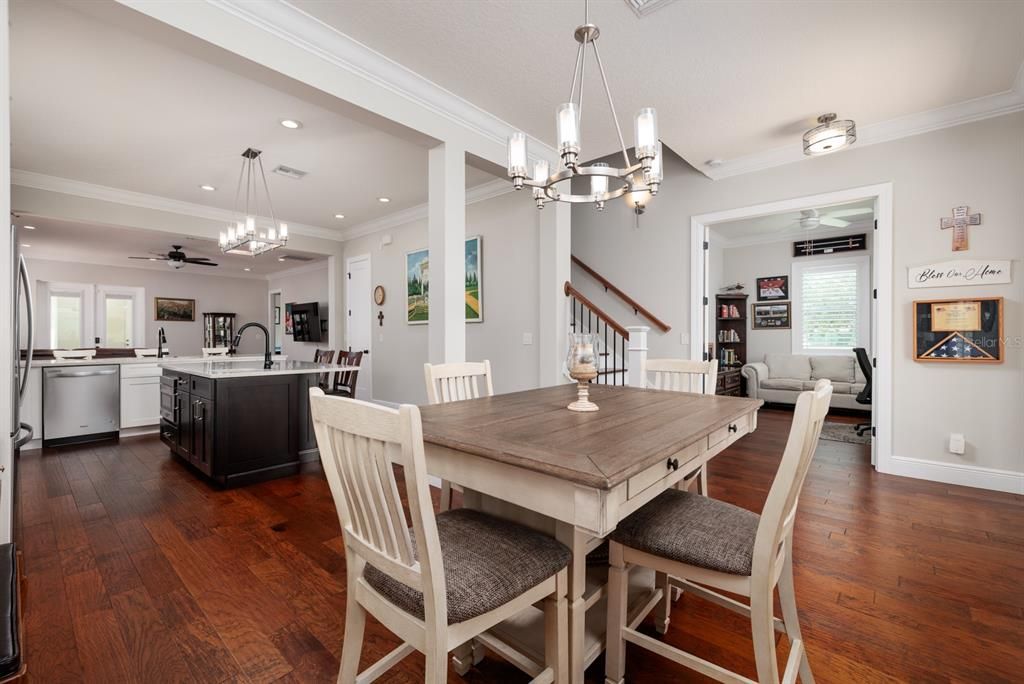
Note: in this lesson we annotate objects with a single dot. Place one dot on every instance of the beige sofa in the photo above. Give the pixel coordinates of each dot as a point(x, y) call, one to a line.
point(781, 378)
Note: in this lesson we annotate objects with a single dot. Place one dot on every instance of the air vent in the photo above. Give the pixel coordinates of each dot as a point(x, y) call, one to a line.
point(644, 7)
point(294, 257)
point(831, 245)
point(289, 172)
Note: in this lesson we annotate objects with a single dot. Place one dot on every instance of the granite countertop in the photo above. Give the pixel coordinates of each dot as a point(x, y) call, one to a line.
point(251, 368)
point(132, 360)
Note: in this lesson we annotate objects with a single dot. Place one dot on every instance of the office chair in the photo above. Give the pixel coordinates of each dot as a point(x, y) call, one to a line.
point(864, 396)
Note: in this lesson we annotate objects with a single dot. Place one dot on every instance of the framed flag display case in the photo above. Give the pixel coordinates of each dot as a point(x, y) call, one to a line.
point(968, 330)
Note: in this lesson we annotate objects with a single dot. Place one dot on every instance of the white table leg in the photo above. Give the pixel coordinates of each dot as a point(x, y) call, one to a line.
point(577, 543)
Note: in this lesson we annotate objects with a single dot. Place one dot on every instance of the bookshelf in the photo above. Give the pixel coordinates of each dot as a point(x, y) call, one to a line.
point(730, 341)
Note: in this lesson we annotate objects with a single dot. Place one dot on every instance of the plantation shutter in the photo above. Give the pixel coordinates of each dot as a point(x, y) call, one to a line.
point(829, 302)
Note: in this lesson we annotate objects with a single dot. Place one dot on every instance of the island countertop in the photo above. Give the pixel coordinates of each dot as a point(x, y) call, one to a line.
point(250, 368)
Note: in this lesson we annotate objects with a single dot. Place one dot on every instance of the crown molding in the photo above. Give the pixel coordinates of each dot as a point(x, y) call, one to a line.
point(104, 193)
point(968, 111)
point(478, 193)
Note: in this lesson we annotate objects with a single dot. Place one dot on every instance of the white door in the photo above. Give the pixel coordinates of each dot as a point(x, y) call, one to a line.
point(359, 328)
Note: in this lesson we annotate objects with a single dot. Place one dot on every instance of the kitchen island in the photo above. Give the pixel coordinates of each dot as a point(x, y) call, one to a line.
point(238, 422)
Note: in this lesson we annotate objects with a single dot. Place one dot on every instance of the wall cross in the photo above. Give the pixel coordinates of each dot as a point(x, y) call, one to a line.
point(959, 222)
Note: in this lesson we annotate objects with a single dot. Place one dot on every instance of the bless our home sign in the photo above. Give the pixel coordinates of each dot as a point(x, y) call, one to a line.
point(960, 272)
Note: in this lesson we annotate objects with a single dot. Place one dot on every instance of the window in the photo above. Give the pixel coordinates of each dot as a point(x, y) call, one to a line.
point(119, 316)
point(66, 320)
point(831, 306)
point(82, 314)
point(119, 321)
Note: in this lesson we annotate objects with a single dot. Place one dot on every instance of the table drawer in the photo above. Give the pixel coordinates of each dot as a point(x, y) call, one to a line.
point(660, 471)
point(724, 436)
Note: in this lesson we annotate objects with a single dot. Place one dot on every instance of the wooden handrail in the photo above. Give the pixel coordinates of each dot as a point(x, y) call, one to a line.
point(571, 291)
point(637, 308)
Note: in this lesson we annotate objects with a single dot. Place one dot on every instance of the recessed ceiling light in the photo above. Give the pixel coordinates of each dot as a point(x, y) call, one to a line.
point(383, 200)
point(207, 188)
point(339, 216)
point(24, 244)
point(152, 259)
point(280, 258)
point(291, 123)
point(29, 227)
point(246, 269)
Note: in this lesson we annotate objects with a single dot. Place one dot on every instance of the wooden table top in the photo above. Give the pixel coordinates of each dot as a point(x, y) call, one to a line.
point(634, 429)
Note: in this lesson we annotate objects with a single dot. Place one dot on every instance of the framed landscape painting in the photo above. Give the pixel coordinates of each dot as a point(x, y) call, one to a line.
point(173, 309)
point(417, 287)
point(474, 280)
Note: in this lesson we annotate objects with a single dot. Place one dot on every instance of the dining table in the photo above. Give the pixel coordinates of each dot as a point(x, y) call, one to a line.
point(525, 457)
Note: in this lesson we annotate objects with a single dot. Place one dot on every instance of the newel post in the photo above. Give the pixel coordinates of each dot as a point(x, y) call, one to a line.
point(637, 355)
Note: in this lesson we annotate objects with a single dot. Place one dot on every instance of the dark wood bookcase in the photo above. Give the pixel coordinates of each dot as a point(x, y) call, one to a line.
point(730, 336)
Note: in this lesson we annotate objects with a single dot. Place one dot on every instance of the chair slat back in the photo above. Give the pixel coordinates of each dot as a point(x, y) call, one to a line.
point(681, 375)
point(324, 356)
point(779, 511)
point(457, 381)
point(347, 379)
point(215, 351)
point(358, 442)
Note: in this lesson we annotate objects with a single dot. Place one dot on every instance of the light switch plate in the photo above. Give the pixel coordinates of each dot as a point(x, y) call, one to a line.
point(527, 338)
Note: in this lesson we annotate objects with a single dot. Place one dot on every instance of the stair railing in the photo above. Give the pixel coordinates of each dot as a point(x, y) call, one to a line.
point(638, 309)
point(587, 317)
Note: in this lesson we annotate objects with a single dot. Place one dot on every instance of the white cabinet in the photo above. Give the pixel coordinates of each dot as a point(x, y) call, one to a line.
point(140, 395)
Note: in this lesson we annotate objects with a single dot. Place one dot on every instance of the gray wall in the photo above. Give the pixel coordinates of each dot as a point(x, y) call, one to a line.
point(979, 164)
point(509, 226)
point(303, 285)
point(243, 296)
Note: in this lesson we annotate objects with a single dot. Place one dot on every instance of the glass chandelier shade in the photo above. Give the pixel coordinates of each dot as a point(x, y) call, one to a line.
point(829, 136)
point(249, 234)
point(640, 175)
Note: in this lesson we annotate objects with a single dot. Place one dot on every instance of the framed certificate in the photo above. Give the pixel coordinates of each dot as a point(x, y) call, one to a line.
point(968, 330)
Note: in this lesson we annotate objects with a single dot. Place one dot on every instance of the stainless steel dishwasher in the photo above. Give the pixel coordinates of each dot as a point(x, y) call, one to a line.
point(80, 404)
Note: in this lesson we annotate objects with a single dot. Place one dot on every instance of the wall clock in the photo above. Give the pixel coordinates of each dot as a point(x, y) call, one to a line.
point(378, 295)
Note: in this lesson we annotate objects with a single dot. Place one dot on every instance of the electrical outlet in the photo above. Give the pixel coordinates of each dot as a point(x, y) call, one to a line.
point(957, 443)
point(527, 338)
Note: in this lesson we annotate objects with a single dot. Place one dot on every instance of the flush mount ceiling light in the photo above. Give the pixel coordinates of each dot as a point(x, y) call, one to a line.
point(291, 123)
point(244, 236)
point(339, 216)
point(383, 200)
point(207, 188)
point(643, 176)
point(830, 136)
point(29, 227)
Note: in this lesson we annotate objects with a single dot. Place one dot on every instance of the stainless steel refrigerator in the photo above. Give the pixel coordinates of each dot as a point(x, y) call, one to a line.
point(21, 292)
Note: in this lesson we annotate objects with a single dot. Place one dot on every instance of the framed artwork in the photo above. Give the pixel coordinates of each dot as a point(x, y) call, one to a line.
point(289, 327)
point(773, 288)
point(173, 309)
point(775, 316)
point(474, 280)
point(277, 315)
point(968, 330)
point(417, 287)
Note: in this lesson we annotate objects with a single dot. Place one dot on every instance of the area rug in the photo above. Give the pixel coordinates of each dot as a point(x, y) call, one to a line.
point(843, 432)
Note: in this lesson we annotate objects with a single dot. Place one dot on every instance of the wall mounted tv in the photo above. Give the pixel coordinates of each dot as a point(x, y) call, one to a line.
point(306, 322)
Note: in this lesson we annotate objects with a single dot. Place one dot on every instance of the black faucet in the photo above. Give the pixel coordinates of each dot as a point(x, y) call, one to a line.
point(161, 340)
point(267, 363)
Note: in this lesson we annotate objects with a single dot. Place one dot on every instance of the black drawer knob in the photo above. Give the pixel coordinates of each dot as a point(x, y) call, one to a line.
point(673, 464)
point(732, 428)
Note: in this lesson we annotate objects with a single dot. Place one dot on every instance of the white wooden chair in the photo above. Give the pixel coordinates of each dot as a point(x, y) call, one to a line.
point(455, 382)
point(682, 375)
point(73, 354)
point(699, 541)
point(146, 353)
point(215, 351)
point(451, 577)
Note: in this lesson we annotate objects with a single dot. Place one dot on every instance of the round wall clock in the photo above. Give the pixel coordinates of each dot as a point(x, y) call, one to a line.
point(378, 294)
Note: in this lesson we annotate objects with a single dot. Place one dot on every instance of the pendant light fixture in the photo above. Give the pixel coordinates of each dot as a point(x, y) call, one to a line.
point(829, 136)
point(638, 178)
point(249, 234)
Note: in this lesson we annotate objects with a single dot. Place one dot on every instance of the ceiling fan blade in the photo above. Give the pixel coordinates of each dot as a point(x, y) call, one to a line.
point(843, 213)
point(152, 258)
point(198, 259)
point(197, 262)
point(835, 222)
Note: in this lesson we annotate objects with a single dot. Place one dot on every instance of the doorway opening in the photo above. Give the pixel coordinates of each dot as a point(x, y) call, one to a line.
point(276, 319)
point(359, 326)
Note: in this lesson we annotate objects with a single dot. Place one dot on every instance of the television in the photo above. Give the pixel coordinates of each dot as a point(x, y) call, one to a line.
point(306, 322)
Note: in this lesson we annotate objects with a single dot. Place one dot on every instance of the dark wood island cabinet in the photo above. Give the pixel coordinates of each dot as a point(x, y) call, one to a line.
point(236, 422)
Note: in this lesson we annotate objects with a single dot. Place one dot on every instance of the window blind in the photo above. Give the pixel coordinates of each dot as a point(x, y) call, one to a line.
point(828, 306)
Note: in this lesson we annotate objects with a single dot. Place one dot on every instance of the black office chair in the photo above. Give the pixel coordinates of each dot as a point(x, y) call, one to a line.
point(864, 396)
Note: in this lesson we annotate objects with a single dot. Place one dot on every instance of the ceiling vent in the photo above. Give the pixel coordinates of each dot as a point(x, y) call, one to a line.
point(644, 7)
point(289, 172)
point(294, 257)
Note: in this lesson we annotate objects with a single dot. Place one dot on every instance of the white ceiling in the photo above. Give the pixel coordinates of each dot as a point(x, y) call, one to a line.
point(729, 79)
point(786, 225)
point(109, 97)
point(111, 246)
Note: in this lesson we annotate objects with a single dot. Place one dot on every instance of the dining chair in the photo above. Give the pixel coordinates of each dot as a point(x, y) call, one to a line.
point(209, 352)
point(449, 578)
point(146, 353)
point(73, 354)
point(448, 382)
point(344, 383)
point(700, 542)
point(326, 357)
point(683, 375)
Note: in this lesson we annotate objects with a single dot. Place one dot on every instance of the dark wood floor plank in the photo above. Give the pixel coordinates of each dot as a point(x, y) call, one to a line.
point(154, 655)
point(102, 650)
point(205, 653)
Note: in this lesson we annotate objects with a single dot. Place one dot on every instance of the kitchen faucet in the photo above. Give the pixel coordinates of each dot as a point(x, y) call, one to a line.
point(161, 340)
point(267, 363)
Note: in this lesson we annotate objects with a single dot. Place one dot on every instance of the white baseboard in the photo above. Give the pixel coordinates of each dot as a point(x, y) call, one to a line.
point(958, 474)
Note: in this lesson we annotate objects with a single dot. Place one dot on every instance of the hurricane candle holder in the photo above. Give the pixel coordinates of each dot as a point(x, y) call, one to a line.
point(582, 366)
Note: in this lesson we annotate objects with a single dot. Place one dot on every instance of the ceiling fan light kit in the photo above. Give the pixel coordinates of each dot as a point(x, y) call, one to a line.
point(640, 179)
point(244, 236)
point(830, 135)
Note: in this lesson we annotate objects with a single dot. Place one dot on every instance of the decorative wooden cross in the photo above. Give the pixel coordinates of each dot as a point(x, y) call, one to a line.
point(959, 222)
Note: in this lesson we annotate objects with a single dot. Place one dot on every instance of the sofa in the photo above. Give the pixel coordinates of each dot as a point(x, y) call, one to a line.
point(781, 377)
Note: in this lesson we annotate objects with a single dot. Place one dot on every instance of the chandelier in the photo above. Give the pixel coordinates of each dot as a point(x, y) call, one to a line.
point(248, 235)
point(637, 181)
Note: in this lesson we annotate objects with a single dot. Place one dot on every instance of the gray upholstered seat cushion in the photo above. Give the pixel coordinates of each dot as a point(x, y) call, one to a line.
point(487, 563)
point(693, 529)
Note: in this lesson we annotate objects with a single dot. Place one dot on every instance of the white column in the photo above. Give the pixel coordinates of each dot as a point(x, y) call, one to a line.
point(555, 261)
point(446, 228)
point(637, 355)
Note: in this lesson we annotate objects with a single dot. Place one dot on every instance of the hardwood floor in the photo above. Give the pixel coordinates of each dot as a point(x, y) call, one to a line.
point(139, 571)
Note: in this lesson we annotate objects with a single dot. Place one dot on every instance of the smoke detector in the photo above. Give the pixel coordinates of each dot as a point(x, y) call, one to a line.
point(289, 172)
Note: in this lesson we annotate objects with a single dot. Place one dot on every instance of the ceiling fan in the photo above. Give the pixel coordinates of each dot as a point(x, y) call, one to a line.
point(176, 258)
point(812, 218)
